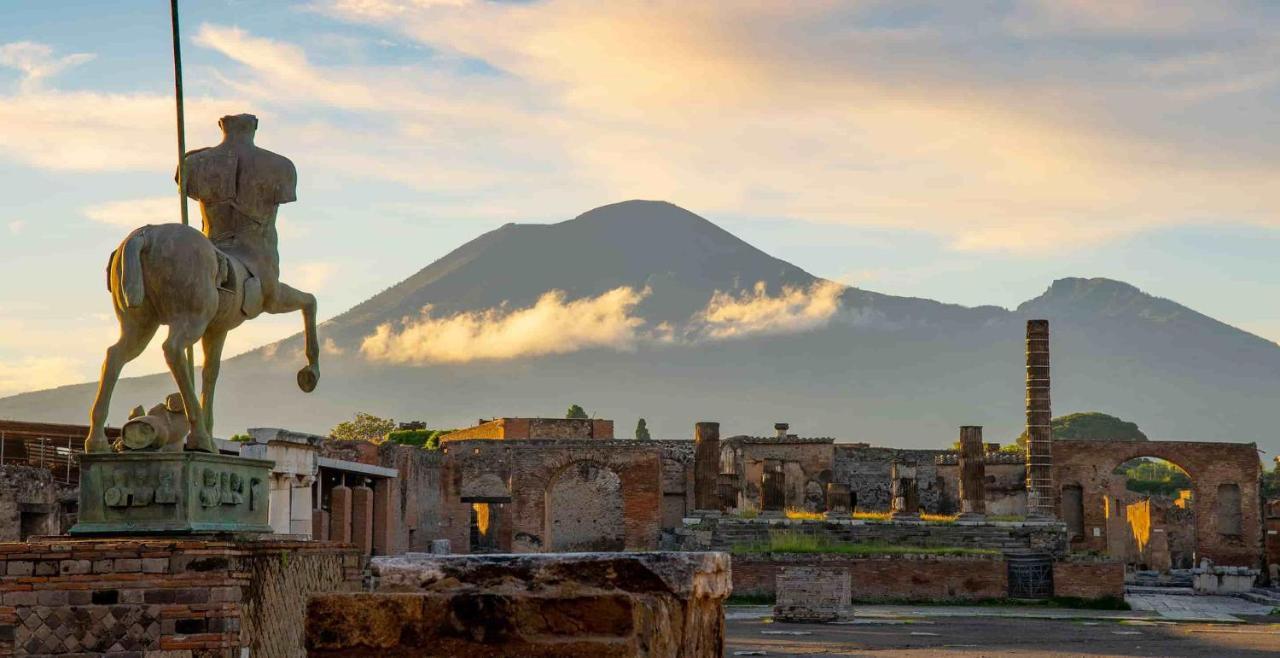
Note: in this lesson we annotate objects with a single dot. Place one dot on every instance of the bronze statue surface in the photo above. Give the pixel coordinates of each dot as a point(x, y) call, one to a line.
point(203, 285)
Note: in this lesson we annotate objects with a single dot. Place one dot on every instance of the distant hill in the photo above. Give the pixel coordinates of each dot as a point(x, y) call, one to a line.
point(879, 368)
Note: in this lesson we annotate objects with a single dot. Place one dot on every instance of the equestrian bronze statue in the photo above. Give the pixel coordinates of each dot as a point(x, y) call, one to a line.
point(203, 285)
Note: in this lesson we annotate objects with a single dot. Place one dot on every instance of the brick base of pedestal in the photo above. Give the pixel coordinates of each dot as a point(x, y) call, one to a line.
point(566, 606)
point(177, 598)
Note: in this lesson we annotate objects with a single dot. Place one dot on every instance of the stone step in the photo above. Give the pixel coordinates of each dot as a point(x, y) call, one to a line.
point(1262, 596)
point(1146, 589)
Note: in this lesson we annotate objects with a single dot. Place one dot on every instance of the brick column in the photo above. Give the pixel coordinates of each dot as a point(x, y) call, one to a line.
point(385, 517)
point(362, 518)
point(319, 525)
point(340, 514)
point(706, 465)
point(973, 473)
point(1040, 498)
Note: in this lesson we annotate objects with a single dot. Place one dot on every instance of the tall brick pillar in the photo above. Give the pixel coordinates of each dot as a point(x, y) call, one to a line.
point(1040, 499)
point(973, 473)
point(340, 514)
point(706, 465)
point(362, 518)
point(385, 517)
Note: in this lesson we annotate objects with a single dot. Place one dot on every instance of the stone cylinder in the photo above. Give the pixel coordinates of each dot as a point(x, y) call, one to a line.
point(706, 465)
point(973, 472)
point(1040, 499)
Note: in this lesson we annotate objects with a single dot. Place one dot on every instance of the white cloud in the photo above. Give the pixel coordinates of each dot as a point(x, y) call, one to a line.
point(756, 312)
point(36, 61)
point(551, 326)
point(38, 372)
point(311, 276)
point(17, 226)
point(132, 213)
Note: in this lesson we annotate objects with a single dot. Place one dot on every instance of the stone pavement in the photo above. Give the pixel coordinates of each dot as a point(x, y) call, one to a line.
point(1196, 608)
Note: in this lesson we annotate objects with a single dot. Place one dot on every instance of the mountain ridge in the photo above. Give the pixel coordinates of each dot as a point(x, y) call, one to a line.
point(884, 368)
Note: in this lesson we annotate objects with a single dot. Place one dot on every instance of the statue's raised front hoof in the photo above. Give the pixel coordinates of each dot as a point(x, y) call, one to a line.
point(97, 444)
point(308, 377)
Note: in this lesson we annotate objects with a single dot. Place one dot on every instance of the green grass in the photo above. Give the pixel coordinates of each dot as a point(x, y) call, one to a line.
point(797, 542)
point(1006, 518)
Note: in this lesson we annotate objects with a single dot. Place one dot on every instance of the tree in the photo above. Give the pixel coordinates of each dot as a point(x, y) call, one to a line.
point(642, 430)
point(364, 427)
point(1271, 482)
point(1092, 426)
point(241, 438)
point(576, 411)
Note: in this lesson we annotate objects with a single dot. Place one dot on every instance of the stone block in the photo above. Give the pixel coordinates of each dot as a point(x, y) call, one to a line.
point(128, 565)
point(19, 568)
point(155, 565)
point(812, 594)
point(75, 567)
point(622, 604)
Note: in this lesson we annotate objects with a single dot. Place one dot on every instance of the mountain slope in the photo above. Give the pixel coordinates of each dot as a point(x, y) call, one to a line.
point(885, 369)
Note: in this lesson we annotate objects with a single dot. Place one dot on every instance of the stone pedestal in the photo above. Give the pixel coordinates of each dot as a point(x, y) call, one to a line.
point(564, 605)
point(150, 493)
point(973, 474)
point(839, 503)
point(905, 504)
point(813, 594)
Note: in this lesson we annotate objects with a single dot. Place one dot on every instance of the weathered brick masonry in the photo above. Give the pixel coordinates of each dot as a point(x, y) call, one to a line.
point(884, 578)
point(123, 598)
point(1088, 578)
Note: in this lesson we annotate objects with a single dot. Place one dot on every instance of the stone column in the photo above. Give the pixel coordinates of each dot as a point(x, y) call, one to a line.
point(340, 514)
point(319, 525)
point(973, 473)
point(906, 497)
point(1040, 498)
point(838, 503)
point(386, 520)
point(362, 518)
point(706, 465)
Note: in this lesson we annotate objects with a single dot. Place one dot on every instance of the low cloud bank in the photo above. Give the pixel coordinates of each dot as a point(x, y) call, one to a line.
point(555, 325)
point(551, 326)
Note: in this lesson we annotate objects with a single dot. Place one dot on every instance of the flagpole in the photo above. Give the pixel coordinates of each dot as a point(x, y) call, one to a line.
point(182, 143)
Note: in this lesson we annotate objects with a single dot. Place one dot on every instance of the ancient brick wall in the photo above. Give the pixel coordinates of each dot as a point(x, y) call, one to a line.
point(520, 474)
point(677, 481)
point(1089, 465)
point(805, 467)
point(1088, 578)
point(1006, 486)
point(584, 509)
point(724, 534)
point(536, 428)
point(884, 578)
point(28, 503)
point(130, 597)
point(867, 472)
point(415, 496)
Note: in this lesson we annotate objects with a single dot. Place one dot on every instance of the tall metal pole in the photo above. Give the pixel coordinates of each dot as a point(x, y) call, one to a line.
point(182, 143)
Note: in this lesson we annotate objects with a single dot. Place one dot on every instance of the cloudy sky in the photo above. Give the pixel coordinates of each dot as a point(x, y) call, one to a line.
point(969, 152)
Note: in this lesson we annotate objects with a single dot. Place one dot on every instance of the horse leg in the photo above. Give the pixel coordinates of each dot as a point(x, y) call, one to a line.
point(136, 330)
point(212, 344)
point(184, 331)
point(288, 300)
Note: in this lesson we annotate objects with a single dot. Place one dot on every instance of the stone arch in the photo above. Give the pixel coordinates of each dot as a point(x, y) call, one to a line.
point(1090, 465)
point(584, 508)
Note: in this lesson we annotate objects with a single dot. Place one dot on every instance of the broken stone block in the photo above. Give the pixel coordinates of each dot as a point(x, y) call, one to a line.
point(813, 594)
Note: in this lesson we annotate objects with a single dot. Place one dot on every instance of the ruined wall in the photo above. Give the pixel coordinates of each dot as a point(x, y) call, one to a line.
point(523, 473)
point(29, 503)
point(1087, 578)
point(584, 509)
point(415, 496)
point(805, 467)
point(1089, 465)
point(677, 481)
point(867, 472)
point(536, 428)
point(1006, 482)
point(725, 533)
point(884, 578)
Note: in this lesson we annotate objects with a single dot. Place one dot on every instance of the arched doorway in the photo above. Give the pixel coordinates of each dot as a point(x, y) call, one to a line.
point(1150, 514)
point(584, 509)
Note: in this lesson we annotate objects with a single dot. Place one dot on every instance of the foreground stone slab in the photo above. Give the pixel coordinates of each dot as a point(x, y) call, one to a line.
point(813, 594)
point(563, 605)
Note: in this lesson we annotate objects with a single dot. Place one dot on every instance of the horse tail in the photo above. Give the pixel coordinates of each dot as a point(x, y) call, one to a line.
point(129, 260)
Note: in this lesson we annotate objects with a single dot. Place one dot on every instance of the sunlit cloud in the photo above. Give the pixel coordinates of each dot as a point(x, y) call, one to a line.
point(132, 213)
point(36, 61)
point(17, 226)
point(310, 276)
point(553, 325)
point(757, 312)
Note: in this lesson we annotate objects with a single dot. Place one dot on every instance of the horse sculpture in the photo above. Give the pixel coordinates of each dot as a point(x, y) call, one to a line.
point(203, 285)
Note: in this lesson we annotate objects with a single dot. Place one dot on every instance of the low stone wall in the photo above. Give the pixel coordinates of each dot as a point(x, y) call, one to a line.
point(1090, 579)
point(883, 577)
point(724, 533)
point(188, 598)
point(533, 605)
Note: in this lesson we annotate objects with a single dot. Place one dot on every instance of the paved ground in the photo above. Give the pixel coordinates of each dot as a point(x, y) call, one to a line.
point(1165, 626)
